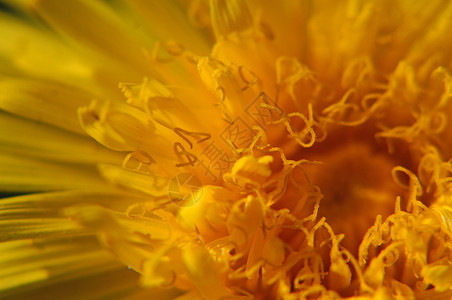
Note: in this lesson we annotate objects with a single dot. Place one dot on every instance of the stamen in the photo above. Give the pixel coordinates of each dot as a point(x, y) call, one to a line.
point(357, 72)
point(289, 71)
point(245, 75)
point(414, 186)
point(307, 132)
point(142, 158)
point(139, 95)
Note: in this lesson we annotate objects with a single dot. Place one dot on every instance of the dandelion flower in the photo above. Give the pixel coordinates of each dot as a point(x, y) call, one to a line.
point(195, 149)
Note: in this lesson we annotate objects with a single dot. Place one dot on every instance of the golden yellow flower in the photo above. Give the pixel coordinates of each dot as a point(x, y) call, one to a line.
point(226, 149)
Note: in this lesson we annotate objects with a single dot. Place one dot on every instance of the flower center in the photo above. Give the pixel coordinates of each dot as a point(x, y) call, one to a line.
point(355, 179)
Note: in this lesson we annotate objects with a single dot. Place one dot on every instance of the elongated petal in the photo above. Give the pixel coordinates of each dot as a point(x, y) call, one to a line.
point(27, 174)
point(83, 22)
point(51, 143)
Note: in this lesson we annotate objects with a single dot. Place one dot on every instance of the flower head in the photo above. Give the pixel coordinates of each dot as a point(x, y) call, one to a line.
point(226, 149)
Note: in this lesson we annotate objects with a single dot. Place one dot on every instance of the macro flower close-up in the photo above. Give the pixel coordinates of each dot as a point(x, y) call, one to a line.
point(226, 149)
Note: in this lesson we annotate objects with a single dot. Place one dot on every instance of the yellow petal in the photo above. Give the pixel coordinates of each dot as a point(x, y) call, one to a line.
point(88, 23)
point(122, 127)
point(340, 275)
point(55, 267)
point(168, 21)
point(152, 184)
point(42, 101)
point(250, 171)
point(51, 143)
point(439, 276)
point(204, 274)
point(37, 227)
point(230, 16)
point(39, 54)
point(28, 174)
